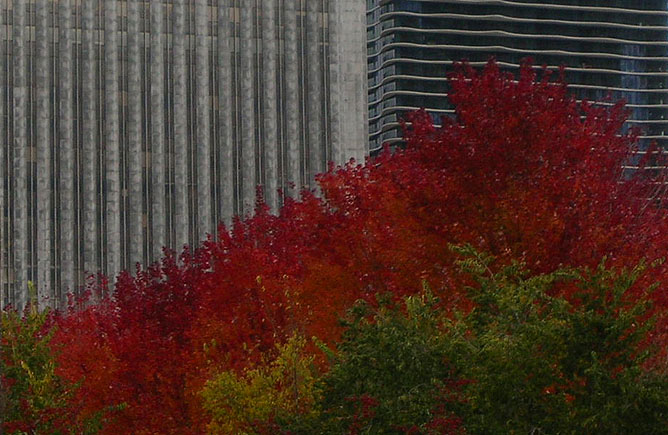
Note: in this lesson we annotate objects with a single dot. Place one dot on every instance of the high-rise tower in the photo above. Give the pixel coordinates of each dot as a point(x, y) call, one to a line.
point(129, 125)
point(615, 47)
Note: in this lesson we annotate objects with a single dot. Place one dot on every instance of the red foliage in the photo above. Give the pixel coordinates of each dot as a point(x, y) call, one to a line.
point(364, 412)
point(522, 172)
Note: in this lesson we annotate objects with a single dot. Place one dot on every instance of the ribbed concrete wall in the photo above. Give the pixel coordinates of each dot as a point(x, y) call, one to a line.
point(132, 125)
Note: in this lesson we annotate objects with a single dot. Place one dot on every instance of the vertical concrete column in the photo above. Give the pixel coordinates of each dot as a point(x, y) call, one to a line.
point(248, 115)
point(348, 80)
point(291, 80)
point(43, 151)
point(20, 158)
point(112, 152)
point(333, 62)
point(203, 115)
point(179, 83)
point(4, 151)
point(67, 152)
point(269, 96)
point(89, 137)
point(158, 193)
point(315, 98)
point(135, 152)
point(226, 128)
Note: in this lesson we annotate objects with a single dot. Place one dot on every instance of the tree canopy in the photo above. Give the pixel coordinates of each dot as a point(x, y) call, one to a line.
point(521, 172)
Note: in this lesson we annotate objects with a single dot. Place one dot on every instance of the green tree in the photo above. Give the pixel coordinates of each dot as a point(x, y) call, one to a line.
point(545, 364)
point(389, 374)
point(30, 387)
point(524, 360)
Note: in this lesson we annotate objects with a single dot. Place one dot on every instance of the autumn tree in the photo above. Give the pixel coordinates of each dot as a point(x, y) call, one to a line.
point(522, 171)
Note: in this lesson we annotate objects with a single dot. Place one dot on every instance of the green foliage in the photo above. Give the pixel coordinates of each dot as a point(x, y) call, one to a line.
point(32, 390)
point(280, 389)
point(389, 373)
point(523, 360)
point(544, 364)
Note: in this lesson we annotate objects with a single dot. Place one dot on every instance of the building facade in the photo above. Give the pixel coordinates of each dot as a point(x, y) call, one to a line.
point(615, 48)
point(132, 125)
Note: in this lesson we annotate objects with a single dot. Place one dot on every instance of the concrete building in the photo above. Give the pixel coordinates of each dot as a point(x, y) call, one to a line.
point(129, 125)
point(609, 47)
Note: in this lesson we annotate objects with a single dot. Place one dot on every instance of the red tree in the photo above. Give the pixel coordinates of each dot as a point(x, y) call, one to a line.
point(522, 171)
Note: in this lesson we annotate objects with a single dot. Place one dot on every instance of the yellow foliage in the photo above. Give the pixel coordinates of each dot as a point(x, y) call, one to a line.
point(281, 388)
